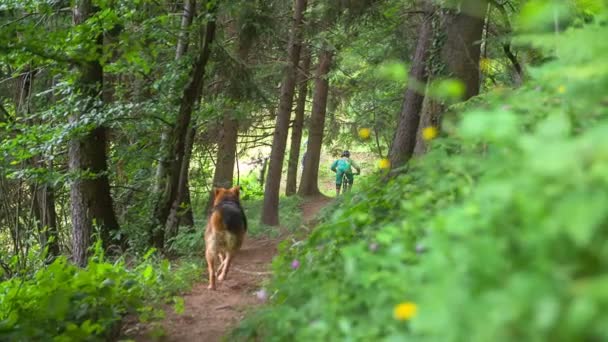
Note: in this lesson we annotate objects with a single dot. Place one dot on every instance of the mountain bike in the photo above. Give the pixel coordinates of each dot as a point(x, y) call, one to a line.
point(345, 185)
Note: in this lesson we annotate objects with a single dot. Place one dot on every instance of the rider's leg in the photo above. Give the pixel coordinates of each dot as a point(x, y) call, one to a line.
point(338, 182)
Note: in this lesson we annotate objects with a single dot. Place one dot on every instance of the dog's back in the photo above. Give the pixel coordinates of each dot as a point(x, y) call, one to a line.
point(233, 216)
point(226, 228)
point(225, 231)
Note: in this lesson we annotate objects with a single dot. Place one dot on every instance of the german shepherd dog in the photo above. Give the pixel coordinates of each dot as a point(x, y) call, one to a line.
point(224, 233)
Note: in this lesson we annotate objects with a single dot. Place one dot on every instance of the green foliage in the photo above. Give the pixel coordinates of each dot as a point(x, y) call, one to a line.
point(62, 302)
point(188, 241)
point(251, 189)
point(289, 215)
point(497, 234)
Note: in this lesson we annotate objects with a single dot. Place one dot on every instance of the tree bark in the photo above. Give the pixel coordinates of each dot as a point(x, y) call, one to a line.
point(189, 100)
point(180, 208)
point(183, 192)
point(310, 173)
point(187, 16)
point(43, 197)
point(462, 48)
point(460, 54)
point(298, 125)
point(226, 152)
point(227, 147)
point(404, 140)
point(164, 163)
point(90, 192)
point(226, 155)
point(270, 209)
point(46, 216)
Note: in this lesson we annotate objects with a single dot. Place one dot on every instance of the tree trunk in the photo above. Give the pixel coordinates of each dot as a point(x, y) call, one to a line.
point(226, 155)
point(189, 100)
point(164, 163)
point(43, 196)
point(270, 209)
point(226, 152)
point(46, 216)
point(90, 192)
point(187, 217)
point(310, 173)
point(462, 48)
point(409, 119)
point(263, 171)
point(227, 147)
point(430, 116)
point(460, 54)
point(298, 125)
point(187, 16)
point(180, 207)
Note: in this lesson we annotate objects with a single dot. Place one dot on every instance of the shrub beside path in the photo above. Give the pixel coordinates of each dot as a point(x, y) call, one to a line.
point(209, 315)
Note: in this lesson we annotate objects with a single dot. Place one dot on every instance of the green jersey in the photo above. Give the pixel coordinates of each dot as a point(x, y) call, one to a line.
point(344, 165)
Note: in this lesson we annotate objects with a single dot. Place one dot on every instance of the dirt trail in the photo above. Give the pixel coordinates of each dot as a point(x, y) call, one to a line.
point(209, 315)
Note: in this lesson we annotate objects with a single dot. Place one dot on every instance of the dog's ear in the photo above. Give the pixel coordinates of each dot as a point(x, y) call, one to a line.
point(236, 190)
point(216, 191)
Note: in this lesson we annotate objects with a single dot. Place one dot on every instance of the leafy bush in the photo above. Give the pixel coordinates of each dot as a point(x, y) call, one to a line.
point(65, 303)
point(498, 234)
point(251, 189)
point(188, 242)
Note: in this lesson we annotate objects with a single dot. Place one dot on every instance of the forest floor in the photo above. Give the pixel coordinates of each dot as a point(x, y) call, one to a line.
point(209, 315)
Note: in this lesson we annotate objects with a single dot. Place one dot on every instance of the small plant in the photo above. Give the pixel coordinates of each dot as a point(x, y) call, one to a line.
point(66, 303)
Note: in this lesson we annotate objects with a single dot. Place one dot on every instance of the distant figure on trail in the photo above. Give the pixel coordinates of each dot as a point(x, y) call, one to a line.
point(343, 169)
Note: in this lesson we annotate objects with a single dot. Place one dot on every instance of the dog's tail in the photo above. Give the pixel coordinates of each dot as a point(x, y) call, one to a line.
point(234, 217)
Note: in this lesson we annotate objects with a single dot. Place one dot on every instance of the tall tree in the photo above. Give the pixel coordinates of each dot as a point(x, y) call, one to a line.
point(245, 34)
point(310, 173)
point(43, 193)
point(46, 216)
point(460, 54)
point(404, 140)
point(189, 100)
point(462, 46)
point(298, 125)
point(91, 200)
point(182, 198)
point(270, 210)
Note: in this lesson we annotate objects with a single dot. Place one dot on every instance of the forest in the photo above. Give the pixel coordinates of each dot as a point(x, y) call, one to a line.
point(478, 130)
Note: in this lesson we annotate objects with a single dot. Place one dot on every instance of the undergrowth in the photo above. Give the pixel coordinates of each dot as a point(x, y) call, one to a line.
point(499, 233)
point(63, 302)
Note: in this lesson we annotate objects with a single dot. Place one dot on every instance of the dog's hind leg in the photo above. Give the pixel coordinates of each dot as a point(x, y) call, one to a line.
point(227, 261)
point(210, 269)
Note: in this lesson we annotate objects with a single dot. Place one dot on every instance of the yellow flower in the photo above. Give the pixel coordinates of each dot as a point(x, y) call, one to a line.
point(429, 133)
point(561, 89)
point(364, 133)
point(384, 163)
point(405, 311)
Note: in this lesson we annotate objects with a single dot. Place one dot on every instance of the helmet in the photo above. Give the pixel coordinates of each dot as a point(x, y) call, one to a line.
point(346, 154)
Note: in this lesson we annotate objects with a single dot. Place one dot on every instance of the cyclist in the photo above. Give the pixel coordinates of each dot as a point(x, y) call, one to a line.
point(343, 169)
